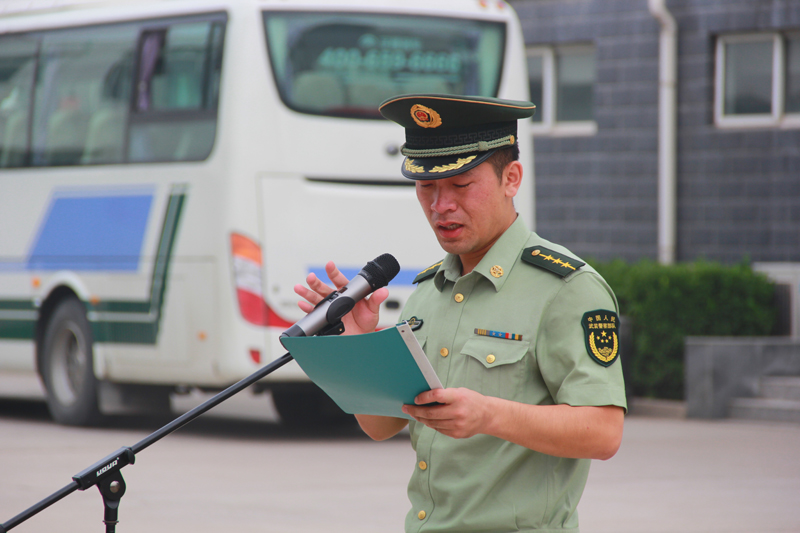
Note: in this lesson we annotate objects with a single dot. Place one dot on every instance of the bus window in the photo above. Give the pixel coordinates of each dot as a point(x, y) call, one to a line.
point(177, 87)
point(82, 94)
point(346, 64)
point(17, 67)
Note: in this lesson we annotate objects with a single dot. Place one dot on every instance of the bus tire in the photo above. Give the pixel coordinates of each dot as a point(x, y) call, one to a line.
point(306, 405)
point(67, 366)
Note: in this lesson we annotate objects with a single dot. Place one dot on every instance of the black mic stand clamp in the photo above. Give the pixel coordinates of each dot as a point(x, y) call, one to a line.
point(107, 476)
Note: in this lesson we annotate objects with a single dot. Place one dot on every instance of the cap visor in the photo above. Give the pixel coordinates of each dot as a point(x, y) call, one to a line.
point(435, 168)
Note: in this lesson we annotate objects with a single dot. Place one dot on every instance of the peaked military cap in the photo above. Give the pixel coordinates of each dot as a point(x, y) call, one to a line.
point(449, 134)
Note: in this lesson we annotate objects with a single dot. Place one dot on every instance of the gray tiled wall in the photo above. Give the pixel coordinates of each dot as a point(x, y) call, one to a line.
point(738, 190)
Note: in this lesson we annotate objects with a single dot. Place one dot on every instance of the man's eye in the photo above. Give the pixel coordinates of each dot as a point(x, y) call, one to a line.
point(462, 185)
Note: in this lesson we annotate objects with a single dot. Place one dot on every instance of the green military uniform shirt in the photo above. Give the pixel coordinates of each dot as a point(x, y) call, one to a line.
point(522, 331)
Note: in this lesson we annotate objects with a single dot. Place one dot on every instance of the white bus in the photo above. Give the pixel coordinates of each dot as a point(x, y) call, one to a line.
point(169, 170)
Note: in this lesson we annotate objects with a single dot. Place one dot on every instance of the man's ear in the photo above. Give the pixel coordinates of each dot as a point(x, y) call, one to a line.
point(512, 178)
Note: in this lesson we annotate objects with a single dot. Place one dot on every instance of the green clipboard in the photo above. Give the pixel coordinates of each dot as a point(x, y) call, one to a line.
point(372, 374)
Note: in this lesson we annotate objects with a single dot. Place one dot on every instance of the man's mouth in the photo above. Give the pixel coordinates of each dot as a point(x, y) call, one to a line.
point(449, 230)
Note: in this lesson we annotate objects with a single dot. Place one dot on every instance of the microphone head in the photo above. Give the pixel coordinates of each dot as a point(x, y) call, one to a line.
point(380, 271)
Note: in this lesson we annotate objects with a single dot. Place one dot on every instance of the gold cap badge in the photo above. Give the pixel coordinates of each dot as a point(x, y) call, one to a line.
point(425, 116)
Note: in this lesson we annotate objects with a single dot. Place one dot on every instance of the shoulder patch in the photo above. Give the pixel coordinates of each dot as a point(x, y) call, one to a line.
point(428, 272)
point(547, 259)
point(601, 329)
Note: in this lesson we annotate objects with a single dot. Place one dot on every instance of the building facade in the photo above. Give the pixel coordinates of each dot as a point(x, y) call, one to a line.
point(595, 75)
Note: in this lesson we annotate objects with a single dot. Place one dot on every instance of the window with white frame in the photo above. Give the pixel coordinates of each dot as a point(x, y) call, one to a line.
point(757, 80)
point(562, 82)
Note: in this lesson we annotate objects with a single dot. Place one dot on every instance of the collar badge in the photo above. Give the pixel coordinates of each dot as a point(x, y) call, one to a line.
point(415, 323)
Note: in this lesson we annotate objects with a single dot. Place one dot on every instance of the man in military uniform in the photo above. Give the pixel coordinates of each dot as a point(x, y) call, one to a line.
point(523, 335)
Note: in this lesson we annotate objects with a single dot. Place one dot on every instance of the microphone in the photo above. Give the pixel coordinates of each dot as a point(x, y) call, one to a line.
point(328, 314)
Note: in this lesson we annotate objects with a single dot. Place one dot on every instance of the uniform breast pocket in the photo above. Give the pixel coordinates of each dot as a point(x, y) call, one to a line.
point(496, 367)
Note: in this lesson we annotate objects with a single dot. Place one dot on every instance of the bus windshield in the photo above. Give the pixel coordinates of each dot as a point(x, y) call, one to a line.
point(346, 64)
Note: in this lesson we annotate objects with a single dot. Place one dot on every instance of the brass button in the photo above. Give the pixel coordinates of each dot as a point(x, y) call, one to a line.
point(423, 465)
point(535, 252)
point(496, 271)
point(421, 515)
point(444, 352)
point(459, 297)
point(490, 358)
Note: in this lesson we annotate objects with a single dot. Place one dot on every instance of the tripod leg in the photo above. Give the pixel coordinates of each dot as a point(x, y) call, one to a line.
point(112, 489)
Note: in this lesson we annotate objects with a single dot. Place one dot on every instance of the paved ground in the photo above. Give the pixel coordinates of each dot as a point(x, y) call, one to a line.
point(236, 469)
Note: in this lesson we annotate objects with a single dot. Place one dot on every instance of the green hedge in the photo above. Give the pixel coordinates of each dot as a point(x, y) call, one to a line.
point(668, 303)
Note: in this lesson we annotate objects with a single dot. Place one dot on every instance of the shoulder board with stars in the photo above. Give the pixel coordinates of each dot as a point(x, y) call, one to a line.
point(547, 259)
point(427, 273)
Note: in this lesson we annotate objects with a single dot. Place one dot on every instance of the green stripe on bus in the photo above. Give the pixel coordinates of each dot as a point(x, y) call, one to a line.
point(17, 319)
point(17, 329)
point(125, 332)
point(119, 307)
point(17, 305)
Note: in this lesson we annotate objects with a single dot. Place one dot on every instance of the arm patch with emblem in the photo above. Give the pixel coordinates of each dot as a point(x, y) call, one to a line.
point(555, 262)
point(601, 328)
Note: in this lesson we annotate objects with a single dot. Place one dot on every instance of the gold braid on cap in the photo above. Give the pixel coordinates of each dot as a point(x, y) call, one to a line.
point(411, 167)
point(453, 166)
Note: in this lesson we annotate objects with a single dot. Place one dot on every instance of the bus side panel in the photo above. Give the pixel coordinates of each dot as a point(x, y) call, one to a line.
point(188, 336)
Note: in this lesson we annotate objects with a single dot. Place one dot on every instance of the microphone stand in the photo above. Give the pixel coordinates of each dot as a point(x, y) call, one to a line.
point(106, 472)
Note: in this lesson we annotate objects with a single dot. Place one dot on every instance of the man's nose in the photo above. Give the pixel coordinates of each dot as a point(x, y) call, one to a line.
point(442, 200)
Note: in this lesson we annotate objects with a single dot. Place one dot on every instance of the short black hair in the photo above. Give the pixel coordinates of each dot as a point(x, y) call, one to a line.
point(502, 157)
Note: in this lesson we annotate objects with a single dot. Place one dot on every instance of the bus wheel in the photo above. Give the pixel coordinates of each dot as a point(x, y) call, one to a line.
point(306, 405)
point(67, 366)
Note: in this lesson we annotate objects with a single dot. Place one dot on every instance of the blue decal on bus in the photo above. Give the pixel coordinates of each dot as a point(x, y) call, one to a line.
point(92, 232)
